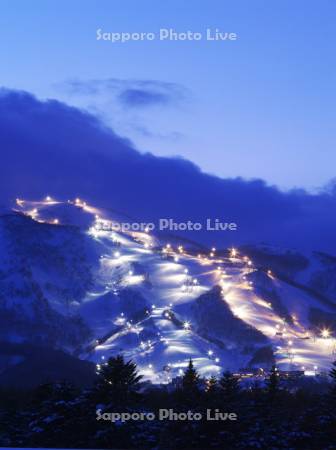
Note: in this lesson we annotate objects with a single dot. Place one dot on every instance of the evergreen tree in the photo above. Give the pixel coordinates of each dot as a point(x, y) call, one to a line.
point(118, 378)
point(190, 379)
point(273, 383)
point(211, 385)
point(332, 375)
point(57, 391)
point(229, 386)
point(211, 392)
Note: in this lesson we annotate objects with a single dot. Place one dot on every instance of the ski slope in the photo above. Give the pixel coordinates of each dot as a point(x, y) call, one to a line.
point(145, 287)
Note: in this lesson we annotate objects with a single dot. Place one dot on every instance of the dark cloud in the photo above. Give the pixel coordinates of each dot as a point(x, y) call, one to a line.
point(131, 93)
point(51, 148)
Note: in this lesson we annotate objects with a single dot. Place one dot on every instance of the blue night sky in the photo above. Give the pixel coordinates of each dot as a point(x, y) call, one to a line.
point(259, 107)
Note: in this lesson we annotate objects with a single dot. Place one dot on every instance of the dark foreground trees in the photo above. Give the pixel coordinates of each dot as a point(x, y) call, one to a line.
point(333, 382)
point(118, 381)
point(271, 414)
point(229, 387)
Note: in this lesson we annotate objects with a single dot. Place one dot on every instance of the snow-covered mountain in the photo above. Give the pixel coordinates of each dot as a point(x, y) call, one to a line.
point(67, 281)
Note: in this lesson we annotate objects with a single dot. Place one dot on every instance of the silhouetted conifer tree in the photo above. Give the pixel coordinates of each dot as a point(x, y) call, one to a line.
point(273, 383)
point(229, 386)
point(332, 375)
point(212, 385)
point(118, 379)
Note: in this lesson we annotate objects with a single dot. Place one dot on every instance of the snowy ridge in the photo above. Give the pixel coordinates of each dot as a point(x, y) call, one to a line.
point(161, 302)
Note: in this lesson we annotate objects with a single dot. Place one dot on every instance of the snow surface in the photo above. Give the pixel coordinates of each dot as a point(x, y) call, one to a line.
point(145, 301)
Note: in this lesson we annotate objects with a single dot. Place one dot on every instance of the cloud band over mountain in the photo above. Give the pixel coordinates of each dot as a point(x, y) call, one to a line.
point(129, 93)
point(52, 148)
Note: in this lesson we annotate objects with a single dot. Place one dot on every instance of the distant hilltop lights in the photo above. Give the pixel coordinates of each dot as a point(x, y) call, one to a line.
point(185, 272)
point(80, 203)
point(34, 209)
point(34, 212)
point(37, 208)
point(19, 202)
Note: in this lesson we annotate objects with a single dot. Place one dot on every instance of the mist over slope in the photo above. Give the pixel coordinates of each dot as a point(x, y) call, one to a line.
point(52, 147)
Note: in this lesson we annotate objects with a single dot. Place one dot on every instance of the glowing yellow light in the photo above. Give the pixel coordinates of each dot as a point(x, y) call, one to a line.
point(48, 198)
point(186, 325)
point(325, 333)
point(233, 253)
point(33, 213)
point(19, 202)
point(56, 222)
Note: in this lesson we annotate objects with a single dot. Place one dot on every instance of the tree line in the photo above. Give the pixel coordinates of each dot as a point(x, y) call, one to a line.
point(270, 415)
